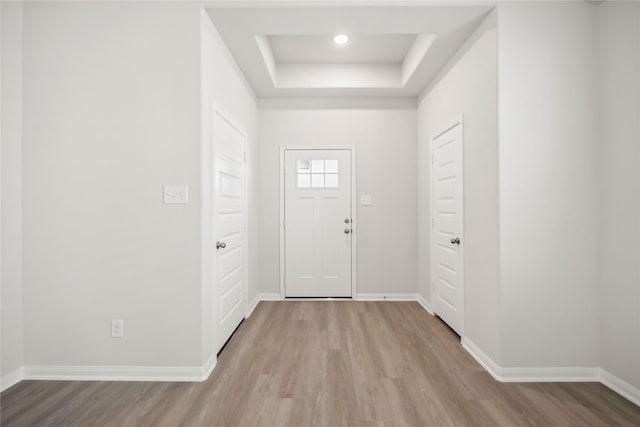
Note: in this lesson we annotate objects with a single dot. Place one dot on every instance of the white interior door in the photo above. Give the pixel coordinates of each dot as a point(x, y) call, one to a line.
point(447, 215)
point(229, 208)
point(317, 223)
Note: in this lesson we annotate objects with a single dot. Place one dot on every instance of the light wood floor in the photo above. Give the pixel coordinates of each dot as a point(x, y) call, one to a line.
point(326, 363)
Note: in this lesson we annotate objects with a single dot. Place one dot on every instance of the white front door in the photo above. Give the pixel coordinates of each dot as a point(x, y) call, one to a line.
point(447, 215)
point(229, 208)
point(318, 225)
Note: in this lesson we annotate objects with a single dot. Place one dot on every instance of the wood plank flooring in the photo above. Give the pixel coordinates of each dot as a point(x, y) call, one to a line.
point(326, 363)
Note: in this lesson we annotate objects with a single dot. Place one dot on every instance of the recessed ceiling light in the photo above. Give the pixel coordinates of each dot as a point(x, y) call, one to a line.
point(341, 39)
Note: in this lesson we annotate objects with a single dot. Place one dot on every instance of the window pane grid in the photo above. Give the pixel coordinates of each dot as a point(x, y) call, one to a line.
point(317, 173)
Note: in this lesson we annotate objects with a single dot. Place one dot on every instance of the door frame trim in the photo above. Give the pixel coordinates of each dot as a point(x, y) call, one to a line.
point(354, 223)
point(245, 221)
point(458, 121)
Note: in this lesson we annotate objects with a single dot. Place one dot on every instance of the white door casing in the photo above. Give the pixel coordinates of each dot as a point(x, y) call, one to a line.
point(229, 145)
point(447, 215)
point(317, 223)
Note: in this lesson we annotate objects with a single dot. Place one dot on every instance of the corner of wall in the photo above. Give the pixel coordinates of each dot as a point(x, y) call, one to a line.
point(467, 86)
point(619, 108)
point(224, 88)
point(11, 287)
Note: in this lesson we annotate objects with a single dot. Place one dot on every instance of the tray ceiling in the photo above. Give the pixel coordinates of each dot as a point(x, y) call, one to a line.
point(392, 51)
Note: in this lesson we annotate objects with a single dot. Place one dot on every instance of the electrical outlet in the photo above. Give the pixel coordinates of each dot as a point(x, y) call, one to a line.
point(117, 328)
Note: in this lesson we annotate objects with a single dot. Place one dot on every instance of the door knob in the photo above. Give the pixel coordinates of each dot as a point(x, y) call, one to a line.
point(455, 241)
point(347, 231)
point(347, 220)
point(221, 245)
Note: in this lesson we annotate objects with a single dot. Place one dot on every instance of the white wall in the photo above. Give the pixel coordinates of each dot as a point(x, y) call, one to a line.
point(111, 114)
point(112, 111)
point(224, 87)
point(11, 291)
point(549, 184)
point(467, 87)
point(619, 66)
point(386, 169)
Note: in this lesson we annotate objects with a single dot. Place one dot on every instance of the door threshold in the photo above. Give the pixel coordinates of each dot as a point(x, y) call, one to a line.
point(318, 299)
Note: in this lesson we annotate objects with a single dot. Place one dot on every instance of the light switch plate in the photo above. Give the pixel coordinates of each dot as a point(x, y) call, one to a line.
point(176, 194)
point(365, 199)
point(117, 328)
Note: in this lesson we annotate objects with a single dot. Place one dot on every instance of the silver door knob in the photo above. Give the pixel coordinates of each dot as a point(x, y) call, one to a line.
point(347, 231)
point(221, 245)
point(347, 220)
point(455, 241)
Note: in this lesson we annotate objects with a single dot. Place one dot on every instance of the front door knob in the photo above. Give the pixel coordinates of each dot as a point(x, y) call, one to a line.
point(347, 231)
point(221, 245)
point(455, 241)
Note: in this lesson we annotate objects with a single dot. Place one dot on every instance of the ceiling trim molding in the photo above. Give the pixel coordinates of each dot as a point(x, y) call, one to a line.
point(339, 103)
point(267, 56)
point(344, 75)
point(303, 62)
point(416, 55)
point(347, 3)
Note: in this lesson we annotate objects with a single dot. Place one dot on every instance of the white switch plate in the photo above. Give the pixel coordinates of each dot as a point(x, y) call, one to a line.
point(365, 199)
point(117, 328)
point(176, 194)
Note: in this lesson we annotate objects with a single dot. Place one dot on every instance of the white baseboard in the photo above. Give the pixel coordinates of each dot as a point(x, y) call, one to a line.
point(485, 361)
point(620, 386)
point(397, 297)
point(561, 374)
point(387, 297)
point(261, 297)
point(269, 297)
point(531, 374)
point(121, 373)
point(252, 306)
point(11, 379)
point(425, 304)
point(197, 374)
point(208, 367)
point(552, 374)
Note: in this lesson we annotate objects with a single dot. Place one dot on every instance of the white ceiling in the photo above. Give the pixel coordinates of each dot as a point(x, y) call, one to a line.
point(320, 49)
point(393, 51)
